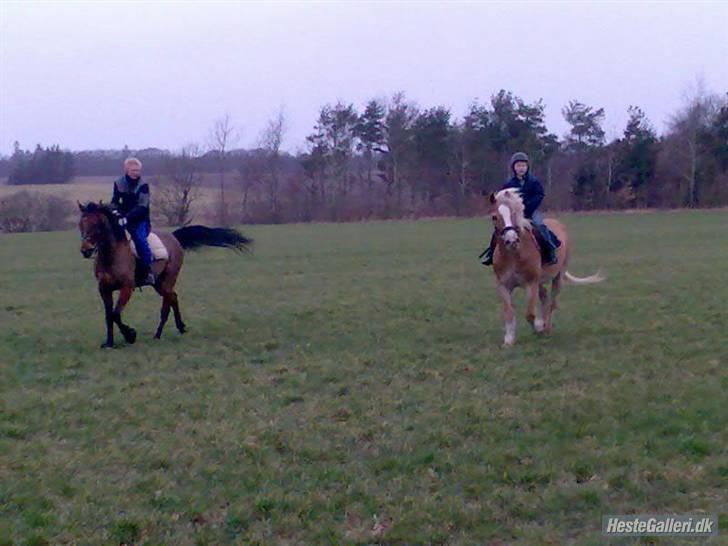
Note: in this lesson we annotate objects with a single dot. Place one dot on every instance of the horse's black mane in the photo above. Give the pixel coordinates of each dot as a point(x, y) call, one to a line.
point(106, 210)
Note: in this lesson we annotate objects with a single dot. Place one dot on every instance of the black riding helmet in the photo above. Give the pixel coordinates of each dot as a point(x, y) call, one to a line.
point(518, 156)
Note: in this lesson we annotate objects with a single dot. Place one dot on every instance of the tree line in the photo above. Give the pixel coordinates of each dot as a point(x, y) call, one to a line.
point(394, 158)
point(41, 166)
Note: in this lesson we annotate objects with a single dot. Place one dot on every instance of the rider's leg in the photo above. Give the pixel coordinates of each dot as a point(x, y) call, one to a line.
point(139, 234)
point(543, 231)
point(486, 258)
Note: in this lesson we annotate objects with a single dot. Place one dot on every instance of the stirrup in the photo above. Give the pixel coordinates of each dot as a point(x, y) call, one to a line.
point(149, 280)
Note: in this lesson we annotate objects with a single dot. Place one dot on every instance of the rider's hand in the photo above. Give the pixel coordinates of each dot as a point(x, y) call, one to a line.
point(119, 218)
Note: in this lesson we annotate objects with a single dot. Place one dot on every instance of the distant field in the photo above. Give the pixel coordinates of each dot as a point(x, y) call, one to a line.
point(82, 189)
point(94, 188)
point(345, 385)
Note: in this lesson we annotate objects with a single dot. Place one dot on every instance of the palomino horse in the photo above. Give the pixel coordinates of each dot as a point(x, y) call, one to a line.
point(517, 262)
point(115, 264)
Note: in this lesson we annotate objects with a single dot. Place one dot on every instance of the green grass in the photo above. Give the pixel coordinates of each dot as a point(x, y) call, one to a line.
point(345, 385)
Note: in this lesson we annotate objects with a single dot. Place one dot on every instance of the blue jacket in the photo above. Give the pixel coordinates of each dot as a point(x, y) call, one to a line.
point(131, 198)
point(531, 192)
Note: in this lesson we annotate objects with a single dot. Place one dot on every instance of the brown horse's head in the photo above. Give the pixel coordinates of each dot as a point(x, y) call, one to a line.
point(97, 227)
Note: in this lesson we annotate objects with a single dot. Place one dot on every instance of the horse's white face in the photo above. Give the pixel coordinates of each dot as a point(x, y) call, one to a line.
point(510, 236)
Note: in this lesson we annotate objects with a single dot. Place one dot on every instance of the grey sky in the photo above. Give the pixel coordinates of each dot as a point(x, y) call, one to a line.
point(101, 75)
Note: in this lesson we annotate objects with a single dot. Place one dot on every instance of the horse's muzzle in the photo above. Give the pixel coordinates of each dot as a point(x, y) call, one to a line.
point(511, 239)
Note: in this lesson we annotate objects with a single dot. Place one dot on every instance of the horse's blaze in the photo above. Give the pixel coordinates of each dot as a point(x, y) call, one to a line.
point(509, 237)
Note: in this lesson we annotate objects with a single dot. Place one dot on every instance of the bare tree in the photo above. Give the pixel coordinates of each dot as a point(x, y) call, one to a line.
point(222, 136)
point(270, 142)
point(399, 144)
point(251, 170)
point(181, 186)
point(686, 127)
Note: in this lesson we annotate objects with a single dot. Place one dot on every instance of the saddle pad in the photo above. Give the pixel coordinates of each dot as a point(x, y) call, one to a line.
point(159, 251)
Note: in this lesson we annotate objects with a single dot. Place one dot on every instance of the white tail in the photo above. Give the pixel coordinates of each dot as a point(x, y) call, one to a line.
point(592, 279)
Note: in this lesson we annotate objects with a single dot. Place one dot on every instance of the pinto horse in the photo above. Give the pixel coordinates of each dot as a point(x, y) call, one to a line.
point(517, 262)
point(115, 264)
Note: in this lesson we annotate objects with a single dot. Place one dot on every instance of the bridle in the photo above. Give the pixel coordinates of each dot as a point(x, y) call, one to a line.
point(91, 238)
point(507, 229)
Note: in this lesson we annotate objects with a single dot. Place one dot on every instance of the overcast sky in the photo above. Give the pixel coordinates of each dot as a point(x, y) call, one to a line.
point(101, 75)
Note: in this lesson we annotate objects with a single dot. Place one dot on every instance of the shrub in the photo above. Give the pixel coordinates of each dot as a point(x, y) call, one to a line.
point(32, 211)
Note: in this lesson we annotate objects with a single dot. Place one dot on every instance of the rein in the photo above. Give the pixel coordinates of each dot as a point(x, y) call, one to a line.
point(105, 238)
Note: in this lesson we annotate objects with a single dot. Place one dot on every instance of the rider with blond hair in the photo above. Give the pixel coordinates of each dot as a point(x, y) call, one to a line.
point(131, 207)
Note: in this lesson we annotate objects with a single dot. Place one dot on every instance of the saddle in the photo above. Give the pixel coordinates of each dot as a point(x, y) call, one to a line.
point(159, 251)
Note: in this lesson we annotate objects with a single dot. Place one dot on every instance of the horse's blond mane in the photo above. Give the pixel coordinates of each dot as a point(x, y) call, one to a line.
point(512, 199)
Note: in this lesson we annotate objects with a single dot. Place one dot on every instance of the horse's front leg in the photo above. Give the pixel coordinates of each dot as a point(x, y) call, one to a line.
point(127, 331)
point(509, 318)
point(543, 295)
point(107, 298)
point(532, 294)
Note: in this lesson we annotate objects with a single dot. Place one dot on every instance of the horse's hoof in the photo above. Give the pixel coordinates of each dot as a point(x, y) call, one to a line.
point(157, 336)
point(538, 326)
point(107, 345)
point(182, 329)
point(507, 344)
point(130, 336)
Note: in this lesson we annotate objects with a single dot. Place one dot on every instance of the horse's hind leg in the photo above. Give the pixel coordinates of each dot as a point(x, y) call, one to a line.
point(169, 297)
point(177, 315)
point(163, 313)
point(127, 331)
point(555, 289)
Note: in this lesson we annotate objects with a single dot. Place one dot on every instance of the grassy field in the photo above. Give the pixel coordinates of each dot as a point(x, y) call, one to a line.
point(345, 385)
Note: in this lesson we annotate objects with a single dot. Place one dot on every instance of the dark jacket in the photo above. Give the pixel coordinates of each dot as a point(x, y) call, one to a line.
point(131, 198)
point(531, 192)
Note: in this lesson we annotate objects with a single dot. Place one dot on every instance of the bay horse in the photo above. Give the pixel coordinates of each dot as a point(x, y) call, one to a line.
point(517, 263)
point(115, 264)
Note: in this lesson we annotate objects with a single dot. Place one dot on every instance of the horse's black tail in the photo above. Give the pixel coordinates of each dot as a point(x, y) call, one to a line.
point(194, 237)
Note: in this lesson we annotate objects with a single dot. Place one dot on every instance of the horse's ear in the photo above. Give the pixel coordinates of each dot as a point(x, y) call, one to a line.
point(81, 207)
point(492, 198)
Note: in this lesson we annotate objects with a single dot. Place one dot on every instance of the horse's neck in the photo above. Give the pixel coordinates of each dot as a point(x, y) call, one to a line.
point(111, 249)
